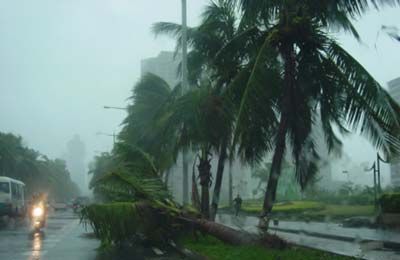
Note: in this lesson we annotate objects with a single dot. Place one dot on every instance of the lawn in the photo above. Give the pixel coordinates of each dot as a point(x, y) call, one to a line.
point(310, 210)
point(346, 210)
point(217, 250)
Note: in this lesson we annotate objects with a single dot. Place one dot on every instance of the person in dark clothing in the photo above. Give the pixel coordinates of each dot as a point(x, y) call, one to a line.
point(237, 203)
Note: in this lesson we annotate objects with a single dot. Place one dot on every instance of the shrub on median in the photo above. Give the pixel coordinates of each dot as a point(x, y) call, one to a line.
point(390, 202)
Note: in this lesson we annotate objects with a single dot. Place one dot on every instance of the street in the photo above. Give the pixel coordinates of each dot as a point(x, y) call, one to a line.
point(63, 238)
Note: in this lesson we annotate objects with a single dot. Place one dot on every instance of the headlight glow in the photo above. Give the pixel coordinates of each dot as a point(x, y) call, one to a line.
point(37, 212)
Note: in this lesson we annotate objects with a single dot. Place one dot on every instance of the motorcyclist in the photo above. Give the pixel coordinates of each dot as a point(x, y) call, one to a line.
point(40, 200)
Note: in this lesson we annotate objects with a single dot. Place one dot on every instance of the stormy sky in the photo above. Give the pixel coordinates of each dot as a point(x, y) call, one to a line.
point(61, 61)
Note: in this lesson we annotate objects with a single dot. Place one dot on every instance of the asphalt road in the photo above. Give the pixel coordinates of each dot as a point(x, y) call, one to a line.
point(62, 238)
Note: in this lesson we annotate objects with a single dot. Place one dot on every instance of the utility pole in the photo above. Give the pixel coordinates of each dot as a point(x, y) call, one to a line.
point(379, 159)
point(185, 88)
point(374, 169)
point(230, 184)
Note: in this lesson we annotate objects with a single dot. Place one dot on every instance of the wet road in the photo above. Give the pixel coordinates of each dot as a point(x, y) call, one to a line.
point(63, 238)
point(367, 243)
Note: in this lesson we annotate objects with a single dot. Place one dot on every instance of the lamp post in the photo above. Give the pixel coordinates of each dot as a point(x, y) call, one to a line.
point(184, 47)
point(185, 88)
point(117, 108)
point(106, 134)
point(378, 168)
point(374, 169)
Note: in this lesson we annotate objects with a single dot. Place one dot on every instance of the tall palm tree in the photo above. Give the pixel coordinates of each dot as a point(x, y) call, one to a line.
point(207, 120)
point(219, 26)
point(304, 75)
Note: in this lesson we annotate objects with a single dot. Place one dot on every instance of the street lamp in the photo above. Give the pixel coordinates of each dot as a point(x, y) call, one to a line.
point(118, 108)
point(378, 168)
point(184, 47)
point(374, 169)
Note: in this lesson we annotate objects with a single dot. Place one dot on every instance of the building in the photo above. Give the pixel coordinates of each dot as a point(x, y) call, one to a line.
point(165, 65)
point(75, 158)
point(394, 90)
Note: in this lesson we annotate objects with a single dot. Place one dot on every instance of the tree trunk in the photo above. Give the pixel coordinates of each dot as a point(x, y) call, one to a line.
point(225, 233)
point(230, 197)
point(205, 179)
point(288, 54)
point(238, 237)
point(218, 180)
point(185, 178)
point(195, 192)
point(167, 174)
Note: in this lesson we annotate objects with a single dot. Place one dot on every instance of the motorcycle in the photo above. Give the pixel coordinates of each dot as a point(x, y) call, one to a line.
point(38, 217)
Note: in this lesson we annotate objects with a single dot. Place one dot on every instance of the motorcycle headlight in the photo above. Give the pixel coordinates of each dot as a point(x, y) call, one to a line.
point(37, 212)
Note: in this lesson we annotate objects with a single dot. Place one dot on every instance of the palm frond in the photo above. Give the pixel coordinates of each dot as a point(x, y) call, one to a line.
point(369, 108)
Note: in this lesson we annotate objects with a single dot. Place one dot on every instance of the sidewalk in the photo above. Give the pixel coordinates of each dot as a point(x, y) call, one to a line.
point(360, 242)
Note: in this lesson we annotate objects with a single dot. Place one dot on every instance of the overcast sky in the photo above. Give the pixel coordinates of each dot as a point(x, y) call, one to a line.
point(61, 61)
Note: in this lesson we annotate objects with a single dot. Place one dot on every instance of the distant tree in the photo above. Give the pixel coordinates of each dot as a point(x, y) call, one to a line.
point(39, 173)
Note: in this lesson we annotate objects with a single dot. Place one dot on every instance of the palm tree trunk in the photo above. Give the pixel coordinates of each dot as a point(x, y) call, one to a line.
point(288, 54)
point(205, 179)
point(185, 178)
point(270, 194)
point(230, 195)
point(218, 179)
point(167, 174)
point(225, 233)
point(236, 237)
point(195, 192)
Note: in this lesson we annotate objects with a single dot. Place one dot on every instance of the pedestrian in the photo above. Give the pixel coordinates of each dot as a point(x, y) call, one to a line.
point(237, 203)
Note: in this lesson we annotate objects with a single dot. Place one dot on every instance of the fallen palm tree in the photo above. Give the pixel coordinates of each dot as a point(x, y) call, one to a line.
point(149, 214)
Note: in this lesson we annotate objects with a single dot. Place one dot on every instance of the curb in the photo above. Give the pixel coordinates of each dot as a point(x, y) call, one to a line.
point(387, 244)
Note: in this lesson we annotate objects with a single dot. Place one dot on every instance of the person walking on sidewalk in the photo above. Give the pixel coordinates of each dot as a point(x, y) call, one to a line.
point(237, 203)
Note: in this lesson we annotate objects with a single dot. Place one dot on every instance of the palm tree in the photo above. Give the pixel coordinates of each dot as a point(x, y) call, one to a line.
point(143, 126)
point(206, 119)
point(219, 26)
point(142, 209)
point(300, 74)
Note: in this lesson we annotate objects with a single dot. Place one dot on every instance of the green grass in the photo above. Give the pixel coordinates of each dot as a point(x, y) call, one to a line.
point(310, 210)
point(347, 210)
point(217, 250)
point(288, 207)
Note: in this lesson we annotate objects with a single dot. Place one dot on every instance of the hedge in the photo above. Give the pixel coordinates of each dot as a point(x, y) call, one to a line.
point(390, 202)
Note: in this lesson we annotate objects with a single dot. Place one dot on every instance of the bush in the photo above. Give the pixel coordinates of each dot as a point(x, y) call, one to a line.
point(390, 202)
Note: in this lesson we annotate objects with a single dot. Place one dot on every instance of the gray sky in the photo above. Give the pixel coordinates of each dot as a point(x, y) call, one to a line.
point(62, 60)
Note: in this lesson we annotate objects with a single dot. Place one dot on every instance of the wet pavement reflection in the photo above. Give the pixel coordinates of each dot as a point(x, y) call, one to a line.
point(64, 238)
point(365, 243)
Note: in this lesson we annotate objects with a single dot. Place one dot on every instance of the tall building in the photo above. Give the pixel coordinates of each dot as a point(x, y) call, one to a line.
point(165, 65)
point(394, 90)
point(75, 159)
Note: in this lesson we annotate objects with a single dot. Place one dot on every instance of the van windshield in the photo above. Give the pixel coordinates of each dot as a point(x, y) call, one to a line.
point(4, 187)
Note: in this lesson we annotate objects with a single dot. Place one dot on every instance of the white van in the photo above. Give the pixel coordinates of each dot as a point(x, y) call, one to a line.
point(12, 197)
